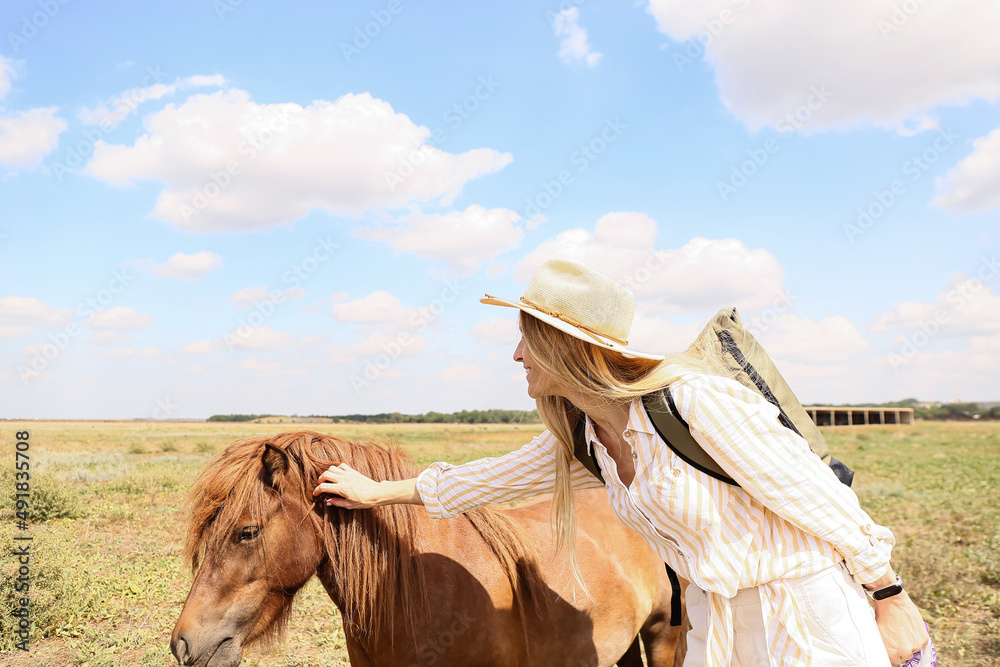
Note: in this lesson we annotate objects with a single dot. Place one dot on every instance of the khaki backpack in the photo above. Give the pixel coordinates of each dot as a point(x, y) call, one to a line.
point(725, 338)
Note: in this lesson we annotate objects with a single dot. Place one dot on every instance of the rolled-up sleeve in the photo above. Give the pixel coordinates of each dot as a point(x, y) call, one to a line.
point(740, 430)
point(449, 490)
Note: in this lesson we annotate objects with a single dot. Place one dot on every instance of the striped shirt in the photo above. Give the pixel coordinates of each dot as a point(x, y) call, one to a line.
point(789, 517)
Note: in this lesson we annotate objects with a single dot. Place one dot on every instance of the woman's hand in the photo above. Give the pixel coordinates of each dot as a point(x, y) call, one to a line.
point(352, 490)
point(902, 628)
point(349, 488)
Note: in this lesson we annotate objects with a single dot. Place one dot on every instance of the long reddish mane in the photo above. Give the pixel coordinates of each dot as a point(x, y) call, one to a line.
point(371, 551)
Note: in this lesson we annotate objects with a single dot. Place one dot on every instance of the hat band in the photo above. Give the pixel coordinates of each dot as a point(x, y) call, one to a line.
point(568, 320)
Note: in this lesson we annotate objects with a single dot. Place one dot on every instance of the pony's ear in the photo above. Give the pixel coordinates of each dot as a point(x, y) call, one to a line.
point(275, 463)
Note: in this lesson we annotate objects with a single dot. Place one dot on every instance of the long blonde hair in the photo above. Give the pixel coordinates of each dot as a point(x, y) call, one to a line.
point(602, 376)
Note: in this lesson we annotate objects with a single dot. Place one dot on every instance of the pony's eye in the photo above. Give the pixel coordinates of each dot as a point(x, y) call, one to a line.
point(248, 533)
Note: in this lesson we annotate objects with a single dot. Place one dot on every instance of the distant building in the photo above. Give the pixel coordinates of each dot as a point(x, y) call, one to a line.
point(859, 415)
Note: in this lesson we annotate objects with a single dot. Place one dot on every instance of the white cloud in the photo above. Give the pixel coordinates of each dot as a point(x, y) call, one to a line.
point(880, 64)
point(15, 332)
point(112, 337)
point(119, 107)
point(378, 307)
point(204, 346)
point(497, 269)
point(39, 350)
point(247, 298)
point(462, 239)
point(120, 317)
point(461, 373)
point(967, 307)
point(380, 344)
point(263, 338)
point(26, 311)
point(499, 330)
point(130, 353)
point(230, 163)
point(655, 335)
point(967, 373)
point(703, 275)
point(28, 136)
point(971, 185)
point(245, 338)
point(831, 340)
point(574, 45)
point(188, 267)
point(265, 367)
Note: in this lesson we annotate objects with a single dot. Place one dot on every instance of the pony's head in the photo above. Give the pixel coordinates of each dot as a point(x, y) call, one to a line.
point(256, 535)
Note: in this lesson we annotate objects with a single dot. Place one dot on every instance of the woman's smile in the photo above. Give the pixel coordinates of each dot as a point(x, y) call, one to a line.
point(539, 383)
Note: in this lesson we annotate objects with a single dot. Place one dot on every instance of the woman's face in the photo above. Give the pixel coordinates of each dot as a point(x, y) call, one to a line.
point(539, 382)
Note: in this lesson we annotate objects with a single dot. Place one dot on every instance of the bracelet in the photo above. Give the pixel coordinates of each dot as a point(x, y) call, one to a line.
point(888, 591)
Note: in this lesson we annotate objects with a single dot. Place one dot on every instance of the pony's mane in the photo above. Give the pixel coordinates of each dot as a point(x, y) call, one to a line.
point(371, 552)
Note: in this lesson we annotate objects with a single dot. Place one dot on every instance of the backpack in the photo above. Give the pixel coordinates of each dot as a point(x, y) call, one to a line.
point(724, 338)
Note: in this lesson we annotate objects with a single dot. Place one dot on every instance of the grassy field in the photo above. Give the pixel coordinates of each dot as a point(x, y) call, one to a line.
point(108, 584)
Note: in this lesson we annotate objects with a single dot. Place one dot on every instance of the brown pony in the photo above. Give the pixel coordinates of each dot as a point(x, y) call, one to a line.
point(412, 590)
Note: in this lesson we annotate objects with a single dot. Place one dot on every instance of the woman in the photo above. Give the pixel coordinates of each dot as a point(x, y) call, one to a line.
point(776, 564)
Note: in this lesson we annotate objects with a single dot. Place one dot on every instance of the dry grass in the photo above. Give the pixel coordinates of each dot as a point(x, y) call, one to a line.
point(115, 586)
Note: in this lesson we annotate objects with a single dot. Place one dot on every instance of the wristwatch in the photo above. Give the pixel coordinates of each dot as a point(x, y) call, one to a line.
point(888, 591)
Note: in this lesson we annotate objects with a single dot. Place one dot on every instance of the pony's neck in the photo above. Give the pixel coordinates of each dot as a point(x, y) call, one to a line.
point(370, 571)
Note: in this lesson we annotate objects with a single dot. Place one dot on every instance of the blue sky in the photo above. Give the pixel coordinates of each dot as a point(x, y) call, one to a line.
point(213, 207)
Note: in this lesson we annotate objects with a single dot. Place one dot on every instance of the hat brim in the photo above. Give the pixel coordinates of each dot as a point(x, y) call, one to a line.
point(566, 327)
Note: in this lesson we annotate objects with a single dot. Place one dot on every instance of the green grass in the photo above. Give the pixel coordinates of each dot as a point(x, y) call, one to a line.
point(109, 584)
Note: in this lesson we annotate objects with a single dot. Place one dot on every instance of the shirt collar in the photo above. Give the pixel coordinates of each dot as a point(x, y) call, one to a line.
point(638, 420)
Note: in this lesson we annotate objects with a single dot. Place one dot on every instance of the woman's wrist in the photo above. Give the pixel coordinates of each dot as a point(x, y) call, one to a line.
point(391, 492)
point(887, 579)
point(900, 598)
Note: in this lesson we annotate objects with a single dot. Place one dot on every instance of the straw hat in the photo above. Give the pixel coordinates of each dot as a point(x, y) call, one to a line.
point(586, 304)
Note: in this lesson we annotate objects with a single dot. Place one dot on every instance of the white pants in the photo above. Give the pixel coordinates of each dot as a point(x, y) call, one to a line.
point(840, 621)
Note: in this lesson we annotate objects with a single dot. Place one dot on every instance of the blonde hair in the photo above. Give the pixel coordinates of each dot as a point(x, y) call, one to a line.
point(603, 377)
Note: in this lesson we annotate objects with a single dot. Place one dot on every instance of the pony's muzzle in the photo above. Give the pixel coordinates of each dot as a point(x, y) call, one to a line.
point(224, 653)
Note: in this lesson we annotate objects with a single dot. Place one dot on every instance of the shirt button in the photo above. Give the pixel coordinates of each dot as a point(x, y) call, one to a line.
point(677, 472)
point(627, 434)
point(635, 457)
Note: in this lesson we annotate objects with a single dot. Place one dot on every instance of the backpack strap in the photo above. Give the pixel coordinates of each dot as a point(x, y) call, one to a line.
point(677, 434)
point(729, 345)
point(582, 451)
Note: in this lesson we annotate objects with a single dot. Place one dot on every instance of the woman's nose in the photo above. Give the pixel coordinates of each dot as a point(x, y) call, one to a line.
point(518, 356)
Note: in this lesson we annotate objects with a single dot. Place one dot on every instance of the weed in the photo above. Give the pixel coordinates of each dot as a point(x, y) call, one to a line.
point(49, 499)
point(987, 555)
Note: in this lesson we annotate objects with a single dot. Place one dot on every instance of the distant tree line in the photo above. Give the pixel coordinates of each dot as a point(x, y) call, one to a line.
point(944, 411)
point(236, 418)
point(461, 417)
point(957, 411)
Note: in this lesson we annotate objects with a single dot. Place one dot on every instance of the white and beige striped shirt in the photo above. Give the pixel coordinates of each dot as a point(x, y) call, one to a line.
point(789, 517)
